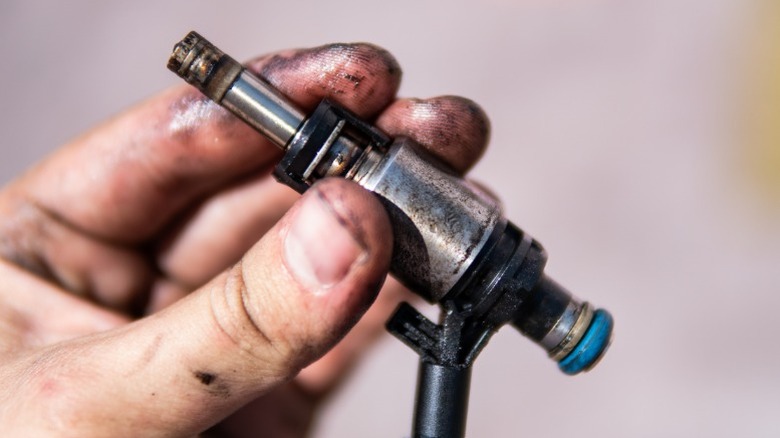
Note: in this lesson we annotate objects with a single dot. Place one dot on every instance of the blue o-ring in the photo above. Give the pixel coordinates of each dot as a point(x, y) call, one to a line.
point(591, 346)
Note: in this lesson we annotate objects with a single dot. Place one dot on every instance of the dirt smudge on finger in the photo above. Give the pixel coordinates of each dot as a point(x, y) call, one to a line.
point(361, 76)
point(193, 112)
point(453, 128)
point(212, 383)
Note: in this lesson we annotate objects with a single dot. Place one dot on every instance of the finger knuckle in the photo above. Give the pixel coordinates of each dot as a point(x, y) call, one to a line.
point(236, 316)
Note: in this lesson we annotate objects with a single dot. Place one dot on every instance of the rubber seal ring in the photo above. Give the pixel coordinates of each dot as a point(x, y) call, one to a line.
point(592, 345)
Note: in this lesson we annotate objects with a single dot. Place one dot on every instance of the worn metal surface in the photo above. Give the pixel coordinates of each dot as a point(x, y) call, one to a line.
point(574, 334)
point(260, 105)
point(562, 326)
point(440, 221)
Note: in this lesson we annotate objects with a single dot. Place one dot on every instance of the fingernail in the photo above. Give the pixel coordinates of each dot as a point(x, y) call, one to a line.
point(320, 248)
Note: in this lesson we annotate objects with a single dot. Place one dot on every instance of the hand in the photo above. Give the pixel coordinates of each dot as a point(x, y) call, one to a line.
point(155, 279)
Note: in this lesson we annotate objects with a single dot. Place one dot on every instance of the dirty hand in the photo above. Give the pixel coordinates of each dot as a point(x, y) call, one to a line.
point(155, 281)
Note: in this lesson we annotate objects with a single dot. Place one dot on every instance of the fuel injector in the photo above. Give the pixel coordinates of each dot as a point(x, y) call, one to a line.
point(452, 245)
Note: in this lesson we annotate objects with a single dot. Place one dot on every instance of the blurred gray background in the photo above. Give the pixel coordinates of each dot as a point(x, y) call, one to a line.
point(638, 140)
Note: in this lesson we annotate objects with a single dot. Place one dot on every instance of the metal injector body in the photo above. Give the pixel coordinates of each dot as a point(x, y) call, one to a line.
point(452, 244)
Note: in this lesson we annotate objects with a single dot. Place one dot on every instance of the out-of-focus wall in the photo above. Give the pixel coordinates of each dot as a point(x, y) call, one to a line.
point(636, 139)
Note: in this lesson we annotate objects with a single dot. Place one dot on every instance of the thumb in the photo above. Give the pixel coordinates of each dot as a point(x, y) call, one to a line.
point(291, 298)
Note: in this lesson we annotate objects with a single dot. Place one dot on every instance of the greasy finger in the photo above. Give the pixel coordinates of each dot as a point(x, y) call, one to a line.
point(362, 77)
point(454, 129)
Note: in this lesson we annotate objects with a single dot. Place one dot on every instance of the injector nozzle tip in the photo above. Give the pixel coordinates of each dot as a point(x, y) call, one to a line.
point(591, 348)
point(193, 58)
point(203, 65)
point(182, 49)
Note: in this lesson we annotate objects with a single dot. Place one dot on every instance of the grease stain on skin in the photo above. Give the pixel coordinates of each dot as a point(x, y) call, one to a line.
point(353, 79)
point(212, 383)
point(26, 233)
point(191, 112)
point(453, 128)
point(204, 377)
point(351, 222)
point(194, 120)
point(359, 72)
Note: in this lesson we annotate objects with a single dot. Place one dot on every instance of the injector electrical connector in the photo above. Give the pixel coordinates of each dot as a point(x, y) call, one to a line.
point(452, 245)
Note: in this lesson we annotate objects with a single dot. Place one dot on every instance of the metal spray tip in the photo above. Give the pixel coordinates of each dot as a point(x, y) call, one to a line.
point(203, 65)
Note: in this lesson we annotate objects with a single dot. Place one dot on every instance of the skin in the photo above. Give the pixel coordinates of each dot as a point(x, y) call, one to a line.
point(156, 281)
